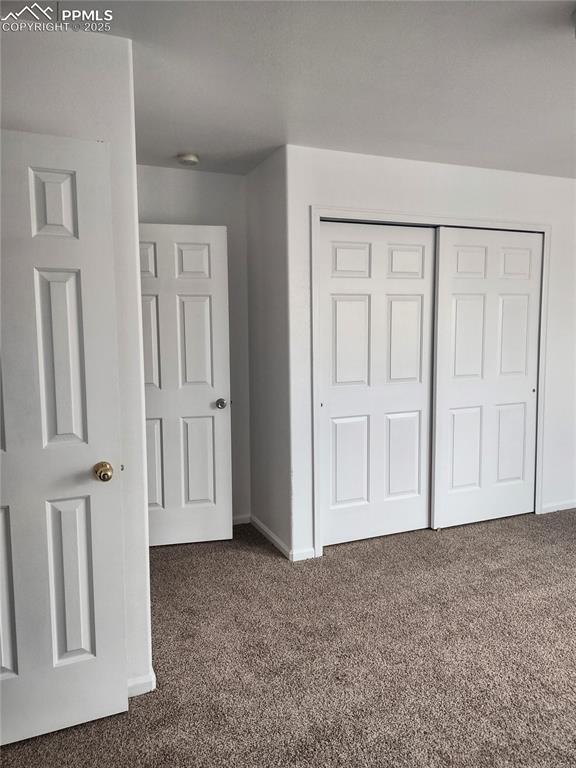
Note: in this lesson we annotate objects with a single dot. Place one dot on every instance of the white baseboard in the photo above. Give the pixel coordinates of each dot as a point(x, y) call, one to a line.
point(271, 536)
point(292, 554)
point(559, 506)
point(302, 554)
point(142, 684)
point(241, 519)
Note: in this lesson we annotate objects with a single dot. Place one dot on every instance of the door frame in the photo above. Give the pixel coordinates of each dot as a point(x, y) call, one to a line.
point(318, 214)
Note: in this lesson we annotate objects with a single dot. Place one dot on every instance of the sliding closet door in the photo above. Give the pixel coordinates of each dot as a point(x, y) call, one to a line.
point(487, 368)
point(372, 367)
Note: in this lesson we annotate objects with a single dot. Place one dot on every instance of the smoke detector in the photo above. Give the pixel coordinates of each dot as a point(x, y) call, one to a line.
point(188, 159)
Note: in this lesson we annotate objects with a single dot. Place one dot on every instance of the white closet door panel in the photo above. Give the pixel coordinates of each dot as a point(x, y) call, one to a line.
point(184, 280)
point(350, 453)
point(466, 447)
point(468, 332)
point(403, 470)
point(488, 309)
point(404, 338)
point(351, 333)
point(373, 309)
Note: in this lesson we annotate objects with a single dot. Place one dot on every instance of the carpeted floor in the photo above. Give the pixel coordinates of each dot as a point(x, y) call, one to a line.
point(453, 648)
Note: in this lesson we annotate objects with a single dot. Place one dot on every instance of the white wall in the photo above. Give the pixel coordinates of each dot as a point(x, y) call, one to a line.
point(345, 180)
point(174, 196)
point(80, 85)
point(269, 369)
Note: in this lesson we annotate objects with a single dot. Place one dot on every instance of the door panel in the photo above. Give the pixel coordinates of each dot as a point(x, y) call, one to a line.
point(185, 330)
point(373, 302)
point(487, 368)
point(61, 552)
point(151, 341)
point(403, 451)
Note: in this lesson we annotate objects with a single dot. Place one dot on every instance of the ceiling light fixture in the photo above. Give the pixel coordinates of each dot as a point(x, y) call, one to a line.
point(188, 159)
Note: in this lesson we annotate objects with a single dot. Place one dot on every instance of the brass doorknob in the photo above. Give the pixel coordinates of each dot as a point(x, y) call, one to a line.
point(103, 471)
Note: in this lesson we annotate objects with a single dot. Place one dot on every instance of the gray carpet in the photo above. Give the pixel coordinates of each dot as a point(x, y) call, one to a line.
point(452, 648)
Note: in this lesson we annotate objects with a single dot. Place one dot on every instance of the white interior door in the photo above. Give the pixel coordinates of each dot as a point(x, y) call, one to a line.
point(187, 372)
point(373, 332)
point(487, 372)
point(61, 590)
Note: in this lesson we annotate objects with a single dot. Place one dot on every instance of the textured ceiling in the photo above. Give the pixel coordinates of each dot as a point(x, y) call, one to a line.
point(489, 84)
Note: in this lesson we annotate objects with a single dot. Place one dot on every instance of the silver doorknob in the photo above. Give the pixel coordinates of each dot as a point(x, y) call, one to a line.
point(221, 403)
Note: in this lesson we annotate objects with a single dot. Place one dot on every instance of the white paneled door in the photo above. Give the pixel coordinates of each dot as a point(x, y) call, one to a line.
point(373, 330)
point(62, 651)
point(487, 374)
point(187, 373)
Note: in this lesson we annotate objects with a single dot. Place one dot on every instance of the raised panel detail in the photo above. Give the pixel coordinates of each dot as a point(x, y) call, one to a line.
point(468, 334)
point(403, 454)
point(351, 259)
point(195, 332)
point(53, 201)
point(198, 460)
point(61, 356)
point(151, 340)
point(351, 339)
point(470, 261)
point(404, 337)
point(513, 333)
point(406, 261)
point(466, 428)
point(511, 441)
point(2, 419)
point(516, 262)
point(193, 260)
point(350, 460)
point(8, 654)
point(155, 463)
point(148, 263)
point(71, 579)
